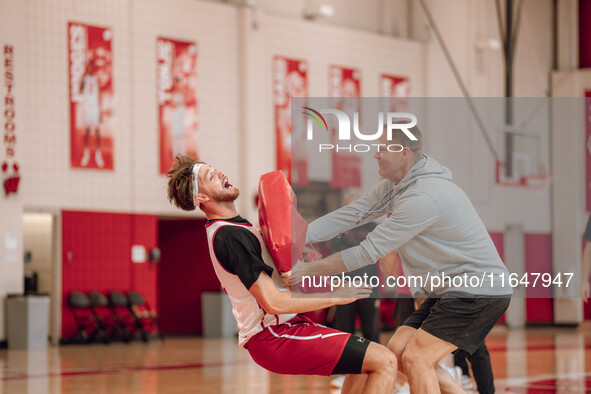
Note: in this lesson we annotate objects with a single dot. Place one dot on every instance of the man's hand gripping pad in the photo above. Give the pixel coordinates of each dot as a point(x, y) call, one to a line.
point(283, 228)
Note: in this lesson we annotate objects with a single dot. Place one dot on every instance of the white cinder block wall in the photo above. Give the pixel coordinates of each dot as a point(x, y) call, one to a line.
point(48, 179)
point(321, 46)
point(568, 150)
point(214, 27)
point(135, 184)
point(465, 26)
point(11, 225)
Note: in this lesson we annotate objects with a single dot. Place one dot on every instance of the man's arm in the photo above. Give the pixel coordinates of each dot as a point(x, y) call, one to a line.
point(413, 215)
point(330, 265)
point(368, 207)
point(275, 301)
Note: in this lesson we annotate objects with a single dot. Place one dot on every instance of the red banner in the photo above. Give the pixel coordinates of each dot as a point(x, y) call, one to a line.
point(177, 99)
point(91, 96)
point(290, 79)
point(588, 150)
point(346, 166)
point(394, 86)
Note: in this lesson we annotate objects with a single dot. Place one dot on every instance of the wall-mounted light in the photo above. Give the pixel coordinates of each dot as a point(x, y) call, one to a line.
point(321, 10)
point(488, 44)
point(154, 255)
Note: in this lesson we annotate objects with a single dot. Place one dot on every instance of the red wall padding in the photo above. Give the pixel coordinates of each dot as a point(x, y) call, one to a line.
point(538, 259)
point(144, 276)
point(499, 241)
point(184, 273)
point(586, 305)
point(584, 34)
point(96, 255)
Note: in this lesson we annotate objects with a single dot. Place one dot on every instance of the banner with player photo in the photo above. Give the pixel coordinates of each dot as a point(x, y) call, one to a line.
point(91, 96)
point(176, 81)
point(346, 166)
point(397, 87)
point(290, 79)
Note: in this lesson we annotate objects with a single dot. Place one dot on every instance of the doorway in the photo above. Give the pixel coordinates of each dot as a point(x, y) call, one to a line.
point(39, 249)
point(185, 271)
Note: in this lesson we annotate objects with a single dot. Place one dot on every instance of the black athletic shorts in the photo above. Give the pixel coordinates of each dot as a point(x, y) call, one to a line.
point(464, 322)
point(351, 359)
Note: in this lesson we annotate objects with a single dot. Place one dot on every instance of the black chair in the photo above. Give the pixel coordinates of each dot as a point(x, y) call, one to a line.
point(146, 317)
point(121, 312)
point(88, 326)
point(105, 317)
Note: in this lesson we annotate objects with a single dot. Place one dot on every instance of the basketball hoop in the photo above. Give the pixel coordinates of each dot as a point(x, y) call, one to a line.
point(537, 181)
point(528, 159)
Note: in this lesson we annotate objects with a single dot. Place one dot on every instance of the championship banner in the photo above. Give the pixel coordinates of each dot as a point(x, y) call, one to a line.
point(176, 81)
point(91, 96)
point(290, 79)
point(346, 166)
point(394, 86)
point(588, 149)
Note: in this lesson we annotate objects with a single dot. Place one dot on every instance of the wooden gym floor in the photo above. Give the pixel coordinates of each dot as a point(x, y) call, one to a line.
point(532, 360)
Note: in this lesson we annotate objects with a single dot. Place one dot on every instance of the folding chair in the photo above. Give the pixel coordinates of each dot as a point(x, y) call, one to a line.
point(145, 316)
point(122, 313)
point(105, 317)
point(87, 323)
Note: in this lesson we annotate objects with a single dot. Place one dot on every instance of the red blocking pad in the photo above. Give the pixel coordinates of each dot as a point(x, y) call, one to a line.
point(283, 228)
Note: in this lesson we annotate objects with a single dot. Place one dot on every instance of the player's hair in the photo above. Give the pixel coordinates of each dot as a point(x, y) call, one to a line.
point(180, 182)
point(398, 137)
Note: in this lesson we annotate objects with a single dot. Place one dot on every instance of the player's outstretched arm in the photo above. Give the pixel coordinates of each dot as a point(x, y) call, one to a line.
point(275, 301)
point(330, 265)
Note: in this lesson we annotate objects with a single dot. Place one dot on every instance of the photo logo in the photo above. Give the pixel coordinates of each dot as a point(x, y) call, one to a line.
point(402, 121)
point(315, 118)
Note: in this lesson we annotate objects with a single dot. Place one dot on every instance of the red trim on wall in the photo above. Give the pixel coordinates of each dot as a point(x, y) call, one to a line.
point(586, 305)
point(584, 34)
point(538, 259)
point(499, 241)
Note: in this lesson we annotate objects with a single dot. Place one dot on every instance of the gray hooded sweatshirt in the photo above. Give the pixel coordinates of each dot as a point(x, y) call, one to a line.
point(432, 225)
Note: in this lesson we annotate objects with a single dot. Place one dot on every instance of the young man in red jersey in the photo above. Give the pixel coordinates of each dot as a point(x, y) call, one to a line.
point(275, 336)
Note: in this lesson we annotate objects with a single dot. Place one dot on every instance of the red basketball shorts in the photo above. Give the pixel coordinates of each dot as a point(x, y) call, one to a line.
point(298, 347)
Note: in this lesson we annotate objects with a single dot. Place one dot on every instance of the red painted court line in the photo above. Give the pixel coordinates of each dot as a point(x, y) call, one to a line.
point(540, 347)
point(552, 385)
point(122, 369)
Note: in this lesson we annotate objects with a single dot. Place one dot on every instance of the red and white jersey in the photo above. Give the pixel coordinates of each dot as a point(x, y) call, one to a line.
point(91, 91)
point(249, 315)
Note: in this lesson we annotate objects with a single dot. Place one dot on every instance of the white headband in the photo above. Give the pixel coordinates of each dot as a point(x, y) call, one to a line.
point(196, 180)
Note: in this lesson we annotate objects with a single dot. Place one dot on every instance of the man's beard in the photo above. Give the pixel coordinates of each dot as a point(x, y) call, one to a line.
point(227, 196)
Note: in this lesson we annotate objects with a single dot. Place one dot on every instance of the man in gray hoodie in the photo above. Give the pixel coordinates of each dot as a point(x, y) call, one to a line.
point(443, 245)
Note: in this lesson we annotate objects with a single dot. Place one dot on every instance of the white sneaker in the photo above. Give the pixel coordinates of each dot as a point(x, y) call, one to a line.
point(401, 389)
point(467, 383)
point(459, 375)
point(454, 372)
point(85, 157)
point(337, 381)
point(98, 158)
